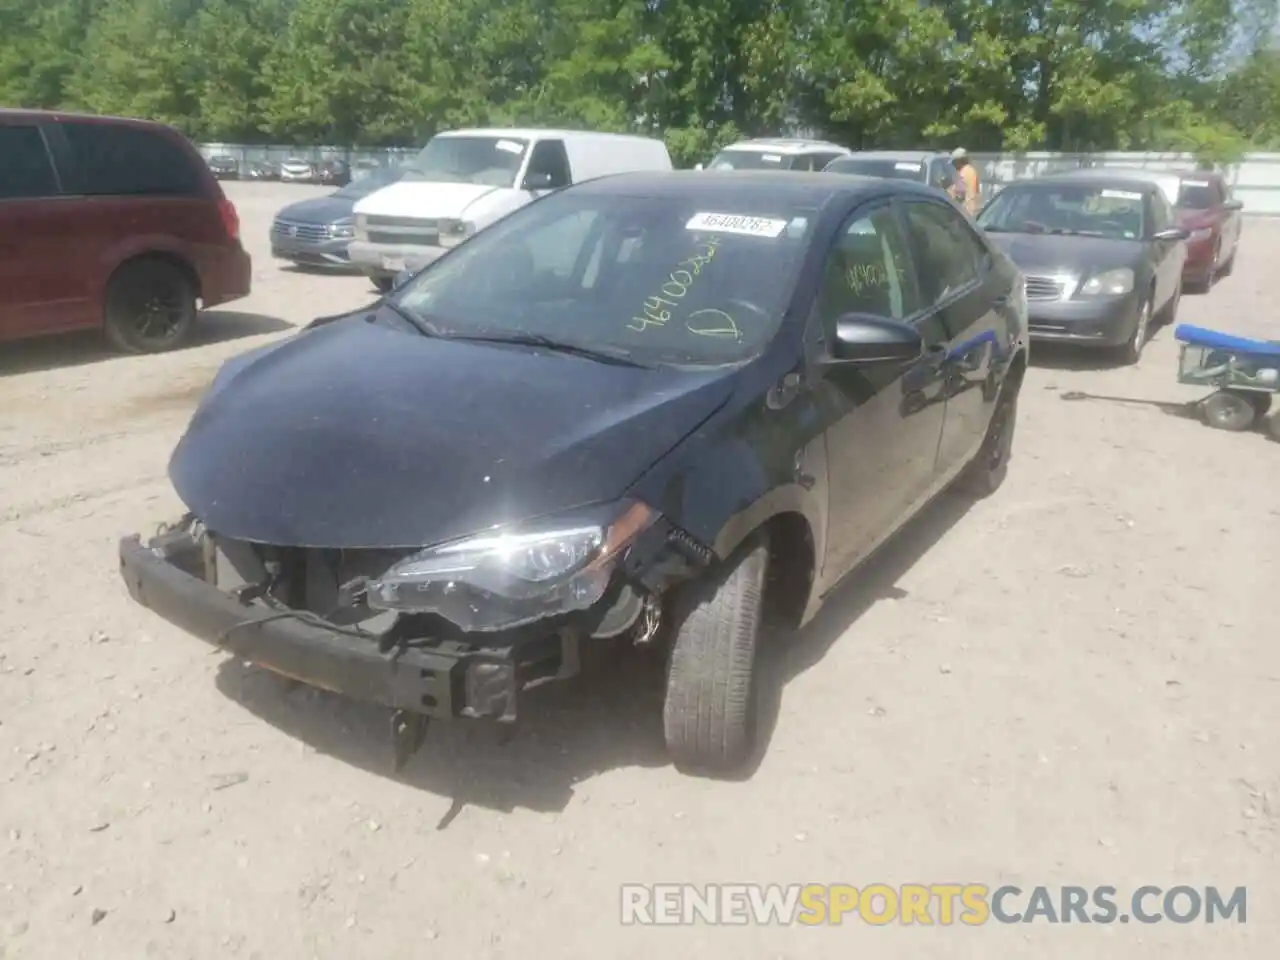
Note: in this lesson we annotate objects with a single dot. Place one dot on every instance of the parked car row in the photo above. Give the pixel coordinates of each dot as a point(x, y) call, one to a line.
point(293, 170)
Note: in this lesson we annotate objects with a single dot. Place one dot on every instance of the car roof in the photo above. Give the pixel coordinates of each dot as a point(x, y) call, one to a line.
point(18, 113)
point(920, 155)
point(537, 133)
point(1121, 180)
point(729, 186)
point(1168, 182)
point(785, 145)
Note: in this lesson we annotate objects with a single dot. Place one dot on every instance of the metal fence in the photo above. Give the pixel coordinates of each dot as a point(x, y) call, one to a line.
point(1255, 180)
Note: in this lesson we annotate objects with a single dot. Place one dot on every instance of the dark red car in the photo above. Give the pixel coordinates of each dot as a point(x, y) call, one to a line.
point(1208, 212)
point(111, 223)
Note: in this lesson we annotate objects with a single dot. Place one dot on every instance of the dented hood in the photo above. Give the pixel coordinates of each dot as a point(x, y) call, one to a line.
point(356, 434)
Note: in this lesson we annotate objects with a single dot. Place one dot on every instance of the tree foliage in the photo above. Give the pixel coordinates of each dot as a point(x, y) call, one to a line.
point(992, 74)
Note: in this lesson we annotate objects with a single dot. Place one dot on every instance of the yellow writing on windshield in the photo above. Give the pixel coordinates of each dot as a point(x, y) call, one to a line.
point(656, 309)
point(713, 323)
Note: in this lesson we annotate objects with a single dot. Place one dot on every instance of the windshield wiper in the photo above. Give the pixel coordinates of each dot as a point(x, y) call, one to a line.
point(549, 343)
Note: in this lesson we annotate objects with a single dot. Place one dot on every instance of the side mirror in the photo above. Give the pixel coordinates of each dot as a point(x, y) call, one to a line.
point(539, 181)
point(697, 166)
point(864, 339)
point(1172, 234)
point(1233, 205)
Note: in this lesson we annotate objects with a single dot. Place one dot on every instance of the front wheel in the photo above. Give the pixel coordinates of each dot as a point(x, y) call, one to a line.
point(383, 284)
point(709, 714)
point(1131, 350)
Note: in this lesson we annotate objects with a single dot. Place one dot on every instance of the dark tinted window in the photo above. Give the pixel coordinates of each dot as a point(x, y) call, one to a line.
point(549, 159)
point(25, 168)
point(1198, 195)
point(869, 270)
point(118, 160)
point(950, 256)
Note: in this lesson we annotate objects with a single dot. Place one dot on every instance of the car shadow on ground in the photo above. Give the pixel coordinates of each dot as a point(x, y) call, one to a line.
point(90, 346)
point(609, 717)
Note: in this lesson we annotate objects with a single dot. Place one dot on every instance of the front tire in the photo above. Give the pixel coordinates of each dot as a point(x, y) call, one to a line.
point(382, 284)
point(709, 715)
point(1131, 350)
point(150, 307)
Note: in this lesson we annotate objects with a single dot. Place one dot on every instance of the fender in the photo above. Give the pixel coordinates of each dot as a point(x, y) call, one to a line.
point(140, 246)
point(745, 465)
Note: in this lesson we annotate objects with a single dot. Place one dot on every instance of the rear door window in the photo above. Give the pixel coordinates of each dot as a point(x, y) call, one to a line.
point(951, 257)
point(26, 169)
point(118, 160)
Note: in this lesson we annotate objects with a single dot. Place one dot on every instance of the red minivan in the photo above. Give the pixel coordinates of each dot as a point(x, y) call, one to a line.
point(111, 223)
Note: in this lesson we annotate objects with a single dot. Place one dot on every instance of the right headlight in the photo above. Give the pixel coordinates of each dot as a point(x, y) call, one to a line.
point(1110, 283)
point(509, 577)
point(453, 232)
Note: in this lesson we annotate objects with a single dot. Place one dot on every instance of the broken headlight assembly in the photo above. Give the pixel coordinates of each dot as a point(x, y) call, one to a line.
point(506, 578)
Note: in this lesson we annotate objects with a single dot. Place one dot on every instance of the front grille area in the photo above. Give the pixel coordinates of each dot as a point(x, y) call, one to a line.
point(410, 231)
point(307, 232)
point(1044, 288)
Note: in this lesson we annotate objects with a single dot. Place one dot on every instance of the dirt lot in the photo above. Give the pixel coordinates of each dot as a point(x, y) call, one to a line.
point(1073, 682)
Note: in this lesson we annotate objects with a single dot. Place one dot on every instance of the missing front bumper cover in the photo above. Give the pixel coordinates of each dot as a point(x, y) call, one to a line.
point(441, 678)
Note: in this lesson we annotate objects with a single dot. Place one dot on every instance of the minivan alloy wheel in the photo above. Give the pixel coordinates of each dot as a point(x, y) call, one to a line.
point(150, 307)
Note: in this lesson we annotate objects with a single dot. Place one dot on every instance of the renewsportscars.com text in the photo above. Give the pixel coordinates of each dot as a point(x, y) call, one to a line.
point(938, 904)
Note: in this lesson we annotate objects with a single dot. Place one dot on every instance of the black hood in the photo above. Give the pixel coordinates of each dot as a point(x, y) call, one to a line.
point(319, 210)
point(1054, 253)
point(355, 434)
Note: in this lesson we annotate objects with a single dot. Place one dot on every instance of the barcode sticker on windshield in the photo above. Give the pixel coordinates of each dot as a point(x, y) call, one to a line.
point(1121, 195)
point(1195, 183)
point(772, 158)
point(510, 146)
point(913, 167)
point(731, 223)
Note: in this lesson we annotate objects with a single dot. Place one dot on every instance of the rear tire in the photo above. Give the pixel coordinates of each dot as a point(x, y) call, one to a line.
point(150, 307)
point(985, 473)
point(709, 714)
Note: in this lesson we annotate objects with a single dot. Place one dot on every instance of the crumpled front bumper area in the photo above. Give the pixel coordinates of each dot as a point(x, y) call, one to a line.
point(433, 677)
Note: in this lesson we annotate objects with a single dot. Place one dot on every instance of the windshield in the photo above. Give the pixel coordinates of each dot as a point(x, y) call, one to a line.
point(374, 180)
point(650, 279)
point(884, 169)
point(748, 160)
point(1195, 196)
point(1094, 210)
point(493, 161)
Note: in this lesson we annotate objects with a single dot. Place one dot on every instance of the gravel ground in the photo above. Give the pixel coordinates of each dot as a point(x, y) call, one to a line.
point(1072, 682)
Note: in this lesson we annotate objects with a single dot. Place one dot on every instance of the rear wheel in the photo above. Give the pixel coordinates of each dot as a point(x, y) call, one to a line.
point(150, 307)
point(986, 472)
point(709, 715)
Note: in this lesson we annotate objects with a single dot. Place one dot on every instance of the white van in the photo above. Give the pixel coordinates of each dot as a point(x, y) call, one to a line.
point(464, 180)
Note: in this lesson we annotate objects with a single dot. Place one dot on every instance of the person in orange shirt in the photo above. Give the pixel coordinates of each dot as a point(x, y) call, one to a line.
point(966, 190)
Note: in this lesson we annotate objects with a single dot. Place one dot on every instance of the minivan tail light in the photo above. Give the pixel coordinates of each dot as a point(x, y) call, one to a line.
point(230, 219)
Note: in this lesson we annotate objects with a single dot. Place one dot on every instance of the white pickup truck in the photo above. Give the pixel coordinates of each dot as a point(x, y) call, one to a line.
point(464, 180)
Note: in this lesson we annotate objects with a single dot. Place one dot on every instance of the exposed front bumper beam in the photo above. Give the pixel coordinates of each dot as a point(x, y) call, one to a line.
point(441, 679)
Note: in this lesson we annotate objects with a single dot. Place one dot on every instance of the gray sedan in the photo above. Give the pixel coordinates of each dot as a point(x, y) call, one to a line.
point(1102, 259)
point(316, 232)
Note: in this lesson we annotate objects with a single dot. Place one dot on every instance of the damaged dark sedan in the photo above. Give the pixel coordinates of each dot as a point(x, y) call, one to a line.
point(649, 406)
